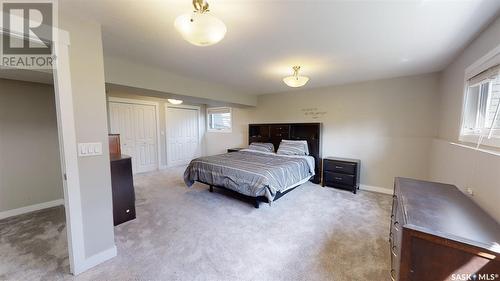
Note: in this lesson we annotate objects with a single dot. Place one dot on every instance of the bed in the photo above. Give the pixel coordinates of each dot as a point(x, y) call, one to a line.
point(262, 176)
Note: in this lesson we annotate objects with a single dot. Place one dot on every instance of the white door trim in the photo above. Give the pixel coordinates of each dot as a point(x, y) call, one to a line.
point(68, 149)
point(157, 113)
point(69, 159)
point(182, 106)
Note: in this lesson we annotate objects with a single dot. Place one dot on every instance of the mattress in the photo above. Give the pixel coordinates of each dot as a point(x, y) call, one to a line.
point(250, 172)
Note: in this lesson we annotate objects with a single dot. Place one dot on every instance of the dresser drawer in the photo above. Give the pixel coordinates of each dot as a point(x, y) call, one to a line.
point(396, 247)
point(340, 167)
point(397, 228)
point(396, 237)
point(393, 217)
point(394, 274)
point(338, 178)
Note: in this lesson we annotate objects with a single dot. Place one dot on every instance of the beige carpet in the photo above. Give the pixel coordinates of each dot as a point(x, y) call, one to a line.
point(312, 233)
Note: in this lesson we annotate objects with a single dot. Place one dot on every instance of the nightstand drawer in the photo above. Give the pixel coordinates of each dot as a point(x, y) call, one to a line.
point(340, 167)
point(331, 177)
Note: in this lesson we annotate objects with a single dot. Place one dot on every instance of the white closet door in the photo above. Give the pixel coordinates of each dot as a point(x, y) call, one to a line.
point(121, 122)
point(145, 137)
point(136, 124)
point(183, 140)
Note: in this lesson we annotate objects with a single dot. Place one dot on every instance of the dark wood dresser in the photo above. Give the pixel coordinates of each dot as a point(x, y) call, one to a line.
point(122, 183)
point(341, 173)
point(437, 233)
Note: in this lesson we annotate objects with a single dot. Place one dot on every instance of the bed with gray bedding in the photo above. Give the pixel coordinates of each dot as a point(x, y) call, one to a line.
point(251, 173)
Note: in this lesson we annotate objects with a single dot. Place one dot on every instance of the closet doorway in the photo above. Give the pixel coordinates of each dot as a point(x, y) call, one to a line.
point(32, 212)
point(183, 134)
point(137, 123)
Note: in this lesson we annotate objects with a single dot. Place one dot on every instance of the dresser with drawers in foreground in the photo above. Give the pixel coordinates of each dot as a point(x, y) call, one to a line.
point(437, 234)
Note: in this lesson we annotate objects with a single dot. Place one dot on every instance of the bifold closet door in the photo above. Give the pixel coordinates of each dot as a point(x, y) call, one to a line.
point(183, 139)
point(136, 124)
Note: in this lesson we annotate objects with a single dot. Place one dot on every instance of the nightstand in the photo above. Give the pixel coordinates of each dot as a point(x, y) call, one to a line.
point(341, 173)
point(236, 149)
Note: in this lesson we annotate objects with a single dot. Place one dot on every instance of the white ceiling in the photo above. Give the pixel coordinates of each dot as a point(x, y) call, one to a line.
point(335, 42)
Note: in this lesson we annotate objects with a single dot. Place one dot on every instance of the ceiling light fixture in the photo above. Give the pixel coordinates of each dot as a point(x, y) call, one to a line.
point(174, 101)
point(295, 80)
point(200, 28)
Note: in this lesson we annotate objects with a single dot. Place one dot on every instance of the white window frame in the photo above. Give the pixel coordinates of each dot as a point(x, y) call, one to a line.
point(489, 60)
point(219, 130)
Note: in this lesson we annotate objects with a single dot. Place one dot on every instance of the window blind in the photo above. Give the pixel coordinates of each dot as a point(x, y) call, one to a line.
point(490, 73)
point(219, 110)
point(219, 119)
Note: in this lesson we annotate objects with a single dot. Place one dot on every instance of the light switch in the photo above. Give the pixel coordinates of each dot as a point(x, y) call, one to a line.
point(89, 149)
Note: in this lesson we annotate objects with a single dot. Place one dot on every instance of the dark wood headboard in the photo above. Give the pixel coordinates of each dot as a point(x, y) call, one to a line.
point(274, 133)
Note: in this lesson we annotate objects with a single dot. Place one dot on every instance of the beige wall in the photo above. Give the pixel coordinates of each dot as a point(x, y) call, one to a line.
point(388, 124)
point(452, 81)
point(468, 168)
point(217, 142)
point(30, 169)
point(89, 100)
point(132, 74)
point(461, 165)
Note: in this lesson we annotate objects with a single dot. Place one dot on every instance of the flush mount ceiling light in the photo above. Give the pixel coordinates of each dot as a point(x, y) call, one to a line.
point(295, 80)
point(174, 101)
point(200, 28)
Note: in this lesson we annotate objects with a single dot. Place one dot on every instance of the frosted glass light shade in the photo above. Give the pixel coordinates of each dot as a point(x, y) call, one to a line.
point(174, 101)
point(200, 29)
point(296, 81)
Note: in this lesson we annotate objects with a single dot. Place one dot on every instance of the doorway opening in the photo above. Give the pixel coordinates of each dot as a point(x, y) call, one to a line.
point(33, 234)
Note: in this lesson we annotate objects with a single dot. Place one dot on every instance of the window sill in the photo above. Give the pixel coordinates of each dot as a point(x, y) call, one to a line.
point(488, 150)
point(219, 131)
point(472, 140)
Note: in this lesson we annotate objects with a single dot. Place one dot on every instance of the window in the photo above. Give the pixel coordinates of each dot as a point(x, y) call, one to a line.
point(219, 119)
point(481, 115)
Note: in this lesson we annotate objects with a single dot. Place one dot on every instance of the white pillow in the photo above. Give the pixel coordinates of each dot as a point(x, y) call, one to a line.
point(291, 148)
point(262, 146)
point(306, 146)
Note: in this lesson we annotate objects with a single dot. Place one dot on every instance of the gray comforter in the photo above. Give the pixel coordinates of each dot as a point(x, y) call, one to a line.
point(251, 172)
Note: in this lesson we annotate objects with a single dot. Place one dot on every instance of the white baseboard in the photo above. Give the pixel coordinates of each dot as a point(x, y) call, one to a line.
point(376, 189)
point(96, 259)
point(31, 208)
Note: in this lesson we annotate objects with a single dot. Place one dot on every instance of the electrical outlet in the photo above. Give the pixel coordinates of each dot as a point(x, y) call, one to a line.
point(469, 191)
